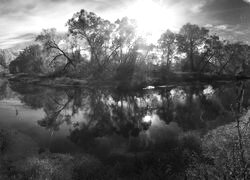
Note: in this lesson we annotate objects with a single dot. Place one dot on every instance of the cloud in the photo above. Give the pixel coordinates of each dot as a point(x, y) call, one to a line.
point(247, 1)
point(208, 26)
point(233, 33)
point(197, 7)
point(13, 8)
point(31, 16)
point(227, 11)
point(8, 42)
point(222, 27)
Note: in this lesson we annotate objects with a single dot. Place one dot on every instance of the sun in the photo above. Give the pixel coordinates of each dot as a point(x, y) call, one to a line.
point(152, 18)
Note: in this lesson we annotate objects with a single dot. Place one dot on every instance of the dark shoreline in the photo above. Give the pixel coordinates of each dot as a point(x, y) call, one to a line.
point(43, 80)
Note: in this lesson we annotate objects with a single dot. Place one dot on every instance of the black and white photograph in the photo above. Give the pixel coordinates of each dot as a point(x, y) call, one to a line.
point(124, 89)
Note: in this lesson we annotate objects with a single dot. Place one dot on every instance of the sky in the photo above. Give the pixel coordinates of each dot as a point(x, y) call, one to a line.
point(21, 20)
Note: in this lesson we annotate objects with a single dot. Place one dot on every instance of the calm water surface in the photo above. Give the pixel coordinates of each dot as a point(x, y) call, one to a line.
point(105, 121)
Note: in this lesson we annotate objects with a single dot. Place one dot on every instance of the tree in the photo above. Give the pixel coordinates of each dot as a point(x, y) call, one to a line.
point(124, 36)
point(56, 46)
point(167, 46)
point(235, 58)
point(6, 56)
point(190, 39)
point(29, 61)
point(211, 54)
point(3, 62)
point(96, 33)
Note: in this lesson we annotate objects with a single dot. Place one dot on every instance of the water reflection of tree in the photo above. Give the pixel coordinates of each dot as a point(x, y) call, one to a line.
point(3, 89)
point(188, 106)
point(109, 115)
point(32, 96)
point(55, 103)
point(53, 109)
point(128, 114)
point(105, 111)
point(165, 112)
point(123, 112)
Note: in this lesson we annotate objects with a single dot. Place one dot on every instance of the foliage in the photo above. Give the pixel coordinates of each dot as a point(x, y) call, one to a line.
point(167, 44)
point(190, 39)
point(29, 61)
point(97, 49)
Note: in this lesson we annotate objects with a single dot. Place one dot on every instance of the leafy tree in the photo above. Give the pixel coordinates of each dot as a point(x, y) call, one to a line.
point(211, 54)
point(96, 33)
point(132, 55)
point(235, 58)
point(60, 47)
point(124, 37)
point(6, 56)
point(191, 39)
point(167, 45)
point(3, 62)
point(30, 60)
point(97, 48)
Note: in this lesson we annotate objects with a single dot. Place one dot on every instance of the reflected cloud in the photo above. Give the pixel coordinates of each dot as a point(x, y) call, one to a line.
point(159, 131)
point(209, 91)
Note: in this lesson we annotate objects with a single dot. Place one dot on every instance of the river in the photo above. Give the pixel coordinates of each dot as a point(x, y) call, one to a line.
point(104, 121)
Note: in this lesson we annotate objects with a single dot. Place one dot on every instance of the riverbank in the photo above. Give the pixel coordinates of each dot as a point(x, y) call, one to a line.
point(179, 77)
point(21, 158)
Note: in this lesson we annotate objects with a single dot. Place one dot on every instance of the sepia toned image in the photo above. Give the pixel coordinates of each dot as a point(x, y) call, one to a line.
point(124, 89)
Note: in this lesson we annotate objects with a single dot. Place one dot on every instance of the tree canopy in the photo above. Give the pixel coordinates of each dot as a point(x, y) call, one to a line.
point(97, 48)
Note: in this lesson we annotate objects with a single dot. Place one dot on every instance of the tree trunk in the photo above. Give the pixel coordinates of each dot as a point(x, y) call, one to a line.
point(191, 58)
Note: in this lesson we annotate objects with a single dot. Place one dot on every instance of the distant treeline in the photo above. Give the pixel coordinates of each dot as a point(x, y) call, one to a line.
point(96, 48)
